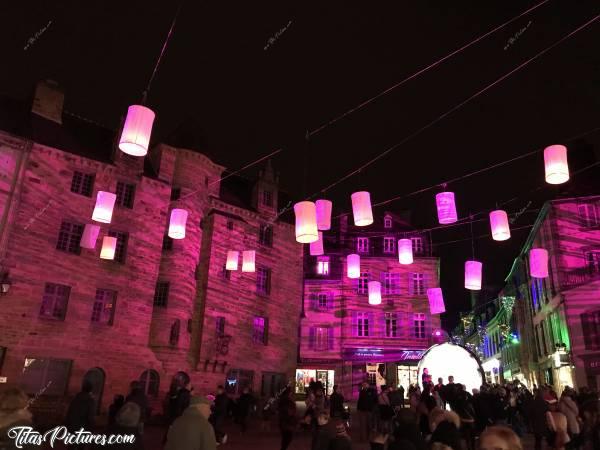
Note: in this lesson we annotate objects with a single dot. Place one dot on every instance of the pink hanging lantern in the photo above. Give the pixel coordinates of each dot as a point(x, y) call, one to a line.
point(556, 164)
point(109, 245)
point(323, 214)
point(316, 248)
point(500, 225)
point(90, 236)
point(306, 222)
point(374, 293)
point(137, 129)
point(177, 223)
point(405, 251)
point(361, 207)
point(436, 301)
point(353, 263)
point(105, 203)
point(248, 261)
point(538, 263)
point(232, 260)
point(446, 208)
point(473, 275)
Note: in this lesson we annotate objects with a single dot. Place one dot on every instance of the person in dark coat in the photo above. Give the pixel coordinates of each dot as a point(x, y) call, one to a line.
point(192, 430)
point(341, 441)
point(324, 433)
point(114, 408)
point(364, 407)
point(127, 422)
point(178, 400)
point(287, 418)
point(137, 396)
point(244, 403)
point(336, 403)
point(538, 419)
point(13, 413)
point(82, 409)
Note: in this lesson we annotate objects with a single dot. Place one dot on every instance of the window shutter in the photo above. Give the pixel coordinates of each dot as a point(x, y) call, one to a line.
point(311, 338)
point(313, 301)
point(411, 289)
point(381, 325)
point(330, 338)
point(330, 300)
point(372, 327)
point(266, 335)
point(354, 331)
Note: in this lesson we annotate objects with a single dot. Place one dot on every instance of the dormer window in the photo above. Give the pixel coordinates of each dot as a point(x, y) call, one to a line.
point(323, 265)
point(266, 199)
point(387, 222)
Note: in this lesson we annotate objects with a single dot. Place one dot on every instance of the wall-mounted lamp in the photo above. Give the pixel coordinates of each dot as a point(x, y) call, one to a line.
point(5, 284)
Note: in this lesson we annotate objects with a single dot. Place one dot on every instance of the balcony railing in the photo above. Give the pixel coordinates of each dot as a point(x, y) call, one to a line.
point(577, 277)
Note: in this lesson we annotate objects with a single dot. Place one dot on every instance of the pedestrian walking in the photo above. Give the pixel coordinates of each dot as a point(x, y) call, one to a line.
point(192, 430)
point(287, 418)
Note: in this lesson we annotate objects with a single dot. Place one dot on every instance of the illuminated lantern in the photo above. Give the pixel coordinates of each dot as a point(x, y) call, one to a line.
point(306, 222)
point(109, 245)
point(90, 236)
point(248, 261)
point(316, 248)
point(405, 251)
point(177, 223)
point(353, 263)
point(436, 300)
point(473, 275)
point(446, 208)
point(500, 226)
point(323, 214)
point(374, 293)
point(556, 164)
point(538, 263)
point(105, 203)
point(361, 207)
point(232, 260)
point(137, 129)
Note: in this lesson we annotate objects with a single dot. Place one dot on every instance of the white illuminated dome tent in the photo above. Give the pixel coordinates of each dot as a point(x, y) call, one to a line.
point(443, 360)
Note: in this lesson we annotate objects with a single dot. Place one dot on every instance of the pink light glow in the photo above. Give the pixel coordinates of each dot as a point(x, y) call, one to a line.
point(90, 236)
point(446, 208)
point(248, 261)
point(374, 293)
point(316, 248)
point(306, 222)
point(500, 226)
point(137, 129)
point(405, 251)
point(177, 223)
point(473, 275)
point(109, 245)
point(232, 260)
point(556, 165)
point(105, 202)
point(538, 263)
point(438, 333)
point(323, 214)
point(361, 208)
point(436, 301)
point(353, 263)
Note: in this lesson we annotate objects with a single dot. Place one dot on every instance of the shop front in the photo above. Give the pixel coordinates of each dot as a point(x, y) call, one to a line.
point(318, 370)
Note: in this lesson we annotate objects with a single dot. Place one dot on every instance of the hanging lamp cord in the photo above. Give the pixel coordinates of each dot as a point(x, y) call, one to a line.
point(472, 239)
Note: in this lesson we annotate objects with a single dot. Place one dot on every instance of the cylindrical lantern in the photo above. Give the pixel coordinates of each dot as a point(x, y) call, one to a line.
point(361, 207)
point(353, 263)
point(177, 223)
point(105, 203)
point(306, 222)
point(90, 236)
point(316, 248)
point(248, 261)
point(323, 214)
point(232, 260)
point(556, 164)
point(405, 251)
point(436, 301)
point(473, 275)
point(538, 263)
point(137, 129)
point(446, 208)
point(109, 245)
point(500, 226)
point(374, 292)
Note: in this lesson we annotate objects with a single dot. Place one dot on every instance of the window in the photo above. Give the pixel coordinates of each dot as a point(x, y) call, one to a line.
point(167, 244)
point(390, 282)
point(419, 325)
point(387, 222)
point(174, 334)
point(260, 332)
point(121, 248)
point(69, 237)
point(589, 215)
point(537, 293)
point(363, 283)
point(230, 225)
point(125, 194)
point(226, 273)
point(417, 245)
point(323, 265)
point(591, 330)
point(263, 280)
point(362, 245)
point(265, 235)
point(175, 193)
point(55, 300)
point(417, 283)
point(362, 324)
point(391, 325)
point(150, 381)
point(220, 326)
point(322, 301)
point(45, 374)
point(592, 261)
point(103, 310)
point(237, 380)
point(389, 244)
point(161, 294)
point(82, 183)
point(322, 338)
point(267, 199)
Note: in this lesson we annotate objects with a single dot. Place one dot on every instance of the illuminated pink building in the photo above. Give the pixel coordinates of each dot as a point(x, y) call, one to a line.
point(343, 339)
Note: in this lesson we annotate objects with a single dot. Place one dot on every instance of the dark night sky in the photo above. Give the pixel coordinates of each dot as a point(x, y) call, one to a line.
point(246, 101)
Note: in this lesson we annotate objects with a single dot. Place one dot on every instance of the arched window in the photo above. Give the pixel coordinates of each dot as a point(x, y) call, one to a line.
point(174, 336)
point(150, 381)
point(387, 222)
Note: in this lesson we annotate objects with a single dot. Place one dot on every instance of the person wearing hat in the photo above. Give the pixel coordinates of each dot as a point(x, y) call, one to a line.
point(192, 430)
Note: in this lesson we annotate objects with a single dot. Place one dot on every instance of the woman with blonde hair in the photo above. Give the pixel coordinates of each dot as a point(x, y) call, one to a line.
point(499, 438)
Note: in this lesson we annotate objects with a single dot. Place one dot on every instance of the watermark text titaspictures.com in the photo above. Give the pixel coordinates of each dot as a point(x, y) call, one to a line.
point(27, 436)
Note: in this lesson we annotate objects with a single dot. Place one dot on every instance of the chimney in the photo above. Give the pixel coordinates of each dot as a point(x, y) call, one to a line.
point(48, 101)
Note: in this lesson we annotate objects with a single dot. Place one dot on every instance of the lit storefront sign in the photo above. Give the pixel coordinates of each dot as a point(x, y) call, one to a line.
point(381, 354)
